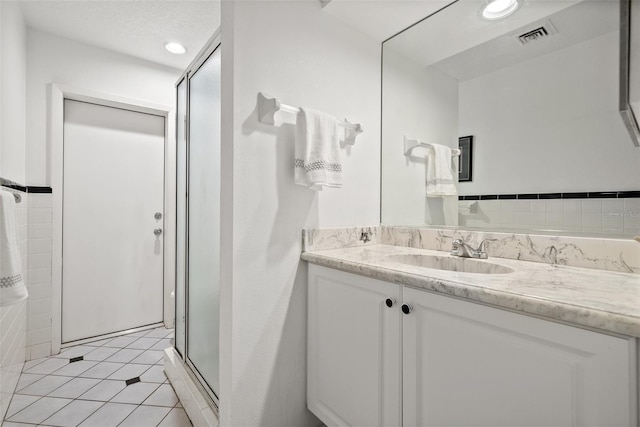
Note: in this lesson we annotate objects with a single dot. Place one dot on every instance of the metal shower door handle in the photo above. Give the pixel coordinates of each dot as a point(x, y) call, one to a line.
point(157, 231)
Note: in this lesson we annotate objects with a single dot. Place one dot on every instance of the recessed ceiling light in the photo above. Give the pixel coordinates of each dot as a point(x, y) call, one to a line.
point(498, 9)
point(175, 48)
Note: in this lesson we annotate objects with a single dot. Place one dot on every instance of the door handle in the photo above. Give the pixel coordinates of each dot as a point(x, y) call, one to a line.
point(157, 231)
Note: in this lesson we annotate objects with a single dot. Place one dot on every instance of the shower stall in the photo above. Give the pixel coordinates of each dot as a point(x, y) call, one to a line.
point(198, 220)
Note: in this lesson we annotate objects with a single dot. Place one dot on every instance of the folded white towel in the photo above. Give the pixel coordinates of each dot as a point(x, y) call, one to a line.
point(12, 287)
point(317, 150)
point(440, 180)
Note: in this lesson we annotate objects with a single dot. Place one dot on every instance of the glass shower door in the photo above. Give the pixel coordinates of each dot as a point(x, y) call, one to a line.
point(181, 210)
point(203, 226)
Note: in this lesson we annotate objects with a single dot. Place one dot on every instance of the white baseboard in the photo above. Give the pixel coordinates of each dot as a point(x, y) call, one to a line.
point(193, 401)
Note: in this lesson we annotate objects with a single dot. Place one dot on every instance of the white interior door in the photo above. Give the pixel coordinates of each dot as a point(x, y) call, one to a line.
point(112, 278)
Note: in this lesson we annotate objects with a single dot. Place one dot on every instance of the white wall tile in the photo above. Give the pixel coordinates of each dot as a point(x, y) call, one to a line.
point(40, 215)
point(538, 219)
point(538, 206)
point(508, 205)
point(40, 350)
point(632, 216)
point(554, 205)
point(39, 275)
point(40, 230)
point(42, 260)
point(592, 220)
point(593, 216)
point(554, 219)
point(613, 207)
point(572, 205)
point(39, 290)
point(39, 246)
point(39, 306)
point(39, 321)
point(489, 205)
point(572, 220)
point(523, 218)
point(614, 224)
point(40, 336)
point(592, 206)
point(521, 205)
point(38, 200)
point(507, 218)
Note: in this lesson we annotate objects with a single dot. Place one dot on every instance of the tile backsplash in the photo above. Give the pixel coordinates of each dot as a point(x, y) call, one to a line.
point(39, 245)
point(602, 253)
point(594, 216)
point(315, 239)
point(588, 252)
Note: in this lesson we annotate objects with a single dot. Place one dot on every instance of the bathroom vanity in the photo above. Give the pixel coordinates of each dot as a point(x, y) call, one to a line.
point(398, 338)
point(543, 333)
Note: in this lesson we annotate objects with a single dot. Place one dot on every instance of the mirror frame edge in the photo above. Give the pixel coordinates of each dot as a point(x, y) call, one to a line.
point(626, 112)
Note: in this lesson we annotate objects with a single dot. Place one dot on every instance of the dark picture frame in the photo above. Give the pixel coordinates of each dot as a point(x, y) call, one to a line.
point(465, 171)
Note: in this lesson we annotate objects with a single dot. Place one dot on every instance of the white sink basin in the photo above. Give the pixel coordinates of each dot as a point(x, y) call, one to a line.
point(450, 263)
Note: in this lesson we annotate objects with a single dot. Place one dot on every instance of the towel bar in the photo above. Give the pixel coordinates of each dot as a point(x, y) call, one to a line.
point(411, 144)
point(269, 106)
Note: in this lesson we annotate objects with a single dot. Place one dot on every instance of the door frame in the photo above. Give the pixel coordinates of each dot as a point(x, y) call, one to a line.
point(55, 134)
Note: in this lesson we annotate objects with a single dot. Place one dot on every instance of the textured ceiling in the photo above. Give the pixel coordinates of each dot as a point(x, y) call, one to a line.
point(136, 28)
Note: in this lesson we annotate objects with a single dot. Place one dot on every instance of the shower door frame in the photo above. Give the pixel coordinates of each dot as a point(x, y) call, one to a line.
point(210, 48)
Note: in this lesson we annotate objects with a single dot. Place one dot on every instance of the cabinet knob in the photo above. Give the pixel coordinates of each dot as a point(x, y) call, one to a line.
point(389, 302)
point(406, 308)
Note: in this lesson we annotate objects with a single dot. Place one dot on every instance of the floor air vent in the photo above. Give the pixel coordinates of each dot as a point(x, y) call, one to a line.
point(538, 33)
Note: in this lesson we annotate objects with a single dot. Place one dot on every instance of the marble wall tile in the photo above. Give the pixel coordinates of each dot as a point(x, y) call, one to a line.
point(316, 239)
point(598, 253)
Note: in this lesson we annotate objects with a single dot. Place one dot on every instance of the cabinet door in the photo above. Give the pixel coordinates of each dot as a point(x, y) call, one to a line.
point(467, 364)
point(354, 360)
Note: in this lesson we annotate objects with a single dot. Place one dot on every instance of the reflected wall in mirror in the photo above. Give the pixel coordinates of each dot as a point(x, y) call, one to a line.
point(539, 92)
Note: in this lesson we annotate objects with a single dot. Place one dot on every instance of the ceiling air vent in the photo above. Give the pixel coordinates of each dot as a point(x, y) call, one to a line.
point(538, 33)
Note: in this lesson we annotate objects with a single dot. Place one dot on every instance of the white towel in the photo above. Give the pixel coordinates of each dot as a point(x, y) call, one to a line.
point(12, 287)
point(439, 177)
point(317, 150)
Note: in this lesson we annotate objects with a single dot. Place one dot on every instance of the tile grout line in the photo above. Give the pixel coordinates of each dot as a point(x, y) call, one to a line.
point(73, 400)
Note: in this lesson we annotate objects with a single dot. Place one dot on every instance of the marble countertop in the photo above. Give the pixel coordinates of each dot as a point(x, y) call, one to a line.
point(597, 299)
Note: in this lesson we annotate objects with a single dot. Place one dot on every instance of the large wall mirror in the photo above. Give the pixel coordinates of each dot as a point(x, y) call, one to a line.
point(539, 93)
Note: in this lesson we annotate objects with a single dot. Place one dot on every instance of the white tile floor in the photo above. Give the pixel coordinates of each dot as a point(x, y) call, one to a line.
point(93, 392)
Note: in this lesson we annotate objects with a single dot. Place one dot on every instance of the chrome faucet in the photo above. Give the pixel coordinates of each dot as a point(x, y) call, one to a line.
point(464, 250)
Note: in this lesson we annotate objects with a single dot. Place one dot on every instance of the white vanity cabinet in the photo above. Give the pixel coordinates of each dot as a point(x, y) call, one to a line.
point(354, 349)
point(450, 362)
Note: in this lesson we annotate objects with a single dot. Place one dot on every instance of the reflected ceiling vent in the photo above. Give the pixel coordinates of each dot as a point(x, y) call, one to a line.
point(537, 33)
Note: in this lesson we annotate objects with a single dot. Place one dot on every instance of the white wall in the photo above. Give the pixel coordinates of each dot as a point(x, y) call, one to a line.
point(296, 52)
point(419, 103)
point(560, 131)
point(12, 90)
point(55, 59)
